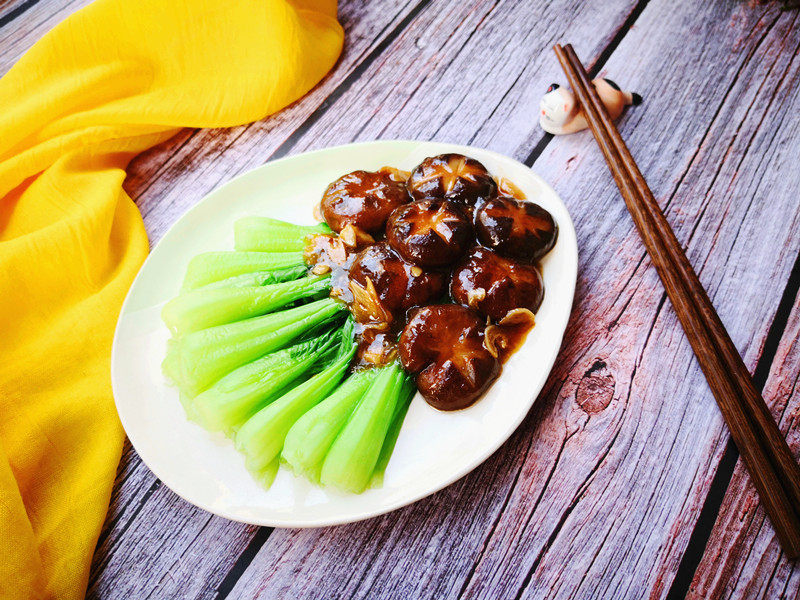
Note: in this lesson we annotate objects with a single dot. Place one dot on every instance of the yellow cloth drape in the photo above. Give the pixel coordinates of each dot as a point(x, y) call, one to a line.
point(110, 81)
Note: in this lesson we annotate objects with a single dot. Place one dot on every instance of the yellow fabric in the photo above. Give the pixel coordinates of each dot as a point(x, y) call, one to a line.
point(112, 80)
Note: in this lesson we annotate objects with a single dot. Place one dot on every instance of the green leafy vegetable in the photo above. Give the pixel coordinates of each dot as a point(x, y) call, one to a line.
point(270, 235)
point(203, 308)
point(240, 368)
point(213, 266)
point(261, 437)
point(240, 394)
point(266, 474)
point(200, 358)
point(354, 454)
point(309, 440)
point(258, 278)
point(406, 394)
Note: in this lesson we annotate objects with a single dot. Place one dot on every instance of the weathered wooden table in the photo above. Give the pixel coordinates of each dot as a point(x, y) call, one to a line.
point(622, 482)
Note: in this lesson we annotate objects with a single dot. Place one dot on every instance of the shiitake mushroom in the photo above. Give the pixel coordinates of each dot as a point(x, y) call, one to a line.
point(452, 176)
point(515, 229)
point(430, 233)
point(494, 285)
point(385, 286)
point(443, 345)
point(364, 199)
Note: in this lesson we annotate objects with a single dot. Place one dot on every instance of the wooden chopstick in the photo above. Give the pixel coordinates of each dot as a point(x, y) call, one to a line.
point(763, 448)
point(775, 443)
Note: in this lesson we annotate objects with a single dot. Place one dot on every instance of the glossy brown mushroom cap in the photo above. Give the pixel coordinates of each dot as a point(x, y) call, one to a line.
point(363, 199)
point(443, 345)
point(452, 176)
point(430, 233)
point(493, 285)
point(385, 285)
point(515, 229)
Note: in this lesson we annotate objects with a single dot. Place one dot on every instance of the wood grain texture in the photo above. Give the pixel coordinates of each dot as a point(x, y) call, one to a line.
point(597, 493)
point(742, 558)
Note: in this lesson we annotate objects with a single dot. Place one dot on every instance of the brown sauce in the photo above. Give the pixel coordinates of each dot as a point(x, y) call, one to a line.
point(506, 187)
point(508, 336)
point(376, 347)
point(326, 253)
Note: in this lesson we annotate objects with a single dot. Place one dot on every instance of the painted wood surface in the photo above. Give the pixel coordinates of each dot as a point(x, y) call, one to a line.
point(742, 558)
point(611, 486)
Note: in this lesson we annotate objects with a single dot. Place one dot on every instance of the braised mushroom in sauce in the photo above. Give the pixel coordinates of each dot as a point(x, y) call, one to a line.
point(443, 345)
point(364, 199)
point(399, 234)
point(430, 233)
point(452, 176)
point(385, 285)
point(494, 286)
point(515, 229)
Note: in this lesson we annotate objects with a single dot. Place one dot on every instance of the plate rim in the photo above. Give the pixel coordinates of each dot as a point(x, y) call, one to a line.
point(491, 448)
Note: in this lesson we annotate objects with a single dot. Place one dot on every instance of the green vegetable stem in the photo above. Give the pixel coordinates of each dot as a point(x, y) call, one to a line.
point(203, 308)
point(213, 266)
point(258, 278)
point(309, 440)
point(243, 392)
point(270, 235)
point(198, 359)
point(262, 436)
point(355, 453)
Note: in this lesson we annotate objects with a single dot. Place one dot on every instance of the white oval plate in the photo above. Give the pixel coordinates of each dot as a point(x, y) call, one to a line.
point(433, 449)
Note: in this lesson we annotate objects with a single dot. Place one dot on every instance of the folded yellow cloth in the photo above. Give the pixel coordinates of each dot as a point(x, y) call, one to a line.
point(110, 81)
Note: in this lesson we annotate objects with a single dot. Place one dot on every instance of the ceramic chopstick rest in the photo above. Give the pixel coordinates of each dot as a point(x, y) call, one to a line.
point(560, 113)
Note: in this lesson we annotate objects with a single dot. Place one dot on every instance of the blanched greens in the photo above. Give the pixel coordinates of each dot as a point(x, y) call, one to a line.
point(261, 354)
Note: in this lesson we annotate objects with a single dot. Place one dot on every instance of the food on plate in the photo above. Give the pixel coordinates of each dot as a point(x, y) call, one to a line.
point(515, 229)
point(443, 345)
point(429, 233)
point(203, 308)
point(363, 199)
point(196, 360)
point(257, 278)
point(210, 267)
point(384, 285)
point(271, 235)
point(306, 343)
point(351, 462)
point(232, 400)
point(494, 286)
point(261, 437)
point(454, 177)
point(310, 438)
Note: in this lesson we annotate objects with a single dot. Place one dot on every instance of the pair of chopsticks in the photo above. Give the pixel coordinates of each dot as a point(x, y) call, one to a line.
point(763, 448)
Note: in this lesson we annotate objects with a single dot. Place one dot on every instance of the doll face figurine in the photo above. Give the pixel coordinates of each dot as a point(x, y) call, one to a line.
point(560, 113)
point(558, 107)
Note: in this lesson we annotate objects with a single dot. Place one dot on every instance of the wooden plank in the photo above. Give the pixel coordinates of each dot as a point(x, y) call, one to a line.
point(129, 553)
point(742, 558)
point(23, 22)
point(597, 492)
